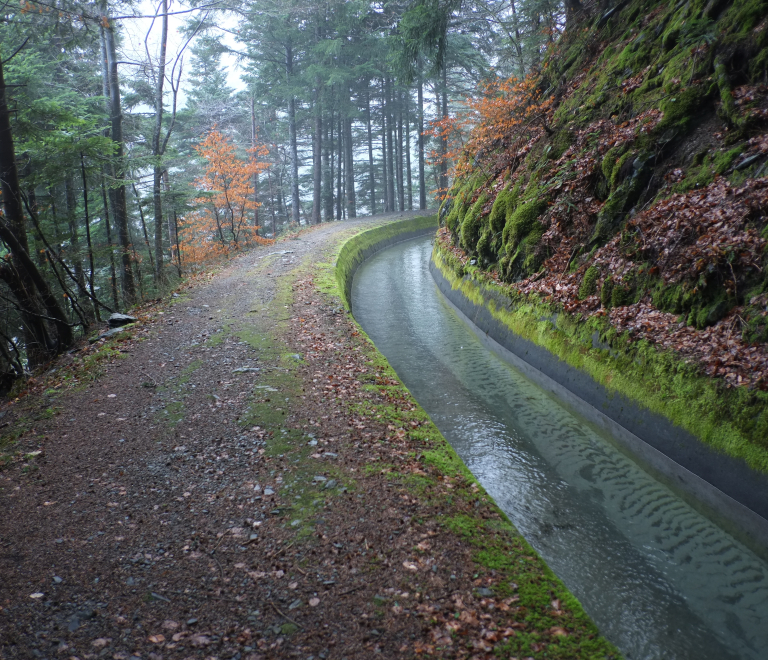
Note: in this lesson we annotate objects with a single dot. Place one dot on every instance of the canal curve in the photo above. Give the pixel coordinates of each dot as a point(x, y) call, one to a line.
point(659, 579)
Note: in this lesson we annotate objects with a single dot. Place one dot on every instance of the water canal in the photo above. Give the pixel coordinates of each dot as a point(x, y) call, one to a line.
point(660, 579)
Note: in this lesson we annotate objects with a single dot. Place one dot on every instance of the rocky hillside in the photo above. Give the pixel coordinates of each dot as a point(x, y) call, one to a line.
point(625, 183)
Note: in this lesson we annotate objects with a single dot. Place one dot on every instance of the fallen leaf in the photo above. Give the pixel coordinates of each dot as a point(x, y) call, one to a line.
point(157, 639)
point(314, 602)
point(101, 642)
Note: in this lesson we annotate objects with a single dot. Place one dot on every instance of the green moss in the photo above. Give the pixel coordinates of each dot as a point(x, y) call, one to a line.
point(528, 251)
point(610, 163)
point(724, 160)
point(621, 295)
point(743, 16)
point(682, 107)
point(470, 226)
point(559, 144)
point(503, 205)
point(520, 222)
point(589, 283)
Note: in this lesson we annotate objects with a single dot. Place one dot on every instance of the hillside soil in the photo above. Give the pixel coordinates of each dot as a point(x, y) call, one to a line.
point(201, 485)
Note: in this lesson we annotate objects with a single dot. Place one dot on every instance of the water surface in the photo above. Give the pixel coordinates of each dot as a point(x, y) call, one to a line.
point(658, 578)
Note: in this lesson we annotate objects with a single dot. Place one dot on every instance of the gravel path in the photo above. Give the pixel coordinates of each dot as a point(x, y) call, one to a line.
point(215, 488)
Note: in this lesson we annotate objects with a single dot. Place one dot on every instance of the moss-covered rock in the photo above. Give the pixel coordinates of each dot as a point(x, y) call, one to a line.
point(504, 205)
point(520, 222)
point(471, 224)
point(606, 291)
point(589, 282)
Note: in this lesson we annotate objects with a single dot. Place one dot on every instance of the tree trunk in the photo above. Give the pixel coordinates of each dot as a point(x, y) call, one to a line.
point(295, 201)
point(384, 152)
point(408, 177)
point(39, 245)
point(390, 150)
point(443, 140)
point(572, 9)
point(255, 174)
point(20, 272)
point(399, 155)
point(440, 149)
point(74, 238)
point(88, 239)
point(349, 168)
point(422, 178)
point(328, 167)
point(110, 245)
point(317, 160)
point(157, 179)
point(119, 208)
point(340, 174)
point(173, 225)
point(143, 229)
point(371, 178)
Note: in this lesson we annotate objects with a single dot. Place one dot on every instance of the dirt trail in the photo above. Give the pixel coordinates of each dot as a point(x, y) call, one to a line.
point(211, 493)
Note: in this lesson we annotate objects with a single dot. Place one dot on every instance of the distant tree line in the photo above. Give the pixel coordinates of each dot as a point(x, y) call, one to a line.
point(112, 179)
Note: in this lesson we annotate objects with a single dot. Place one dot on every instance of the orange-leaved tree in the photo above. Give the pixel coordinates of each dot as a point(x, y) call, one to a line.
point(223, 219)
point(494, 128)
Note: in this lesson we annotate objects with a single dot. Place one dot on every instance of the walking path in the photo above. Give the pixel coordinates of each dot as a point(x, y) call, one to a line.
point(239, 476)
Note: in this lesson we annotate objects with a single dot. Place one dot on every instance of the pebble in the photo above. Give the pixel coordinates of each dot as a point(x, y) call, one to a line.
point(484, 591)
point(269, 491)
point(57, 579)
point(331, 483)
point(192, 621)
point(319, 479)
point(295, 604)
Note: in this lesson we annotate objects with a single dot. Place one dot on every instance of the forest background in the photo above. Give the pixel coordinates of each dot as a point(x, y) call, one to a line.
point(129, 158)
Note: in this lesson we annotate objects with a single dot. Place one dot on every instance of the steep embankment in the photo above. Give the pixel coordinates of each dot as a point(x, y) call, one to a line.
point(618, 198)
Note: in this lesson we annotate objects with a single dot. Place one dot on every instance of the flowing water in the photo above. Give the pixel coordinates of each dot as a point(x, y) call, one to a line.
point(659, 579)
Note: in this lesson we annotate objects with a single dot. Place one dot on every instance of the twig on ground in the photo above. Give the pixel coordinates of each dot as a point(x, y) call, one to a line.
point(276, 553)
point(285, 616)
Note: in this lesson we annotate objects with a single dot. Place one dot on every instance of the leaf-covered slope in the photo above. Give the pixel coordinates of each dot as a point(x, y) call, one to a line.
point(630, 184)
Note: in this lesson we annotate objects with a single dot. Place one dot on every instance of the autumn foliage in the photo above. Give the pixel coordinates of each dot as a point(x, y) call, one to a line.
point(223, 221)
point(502, 119)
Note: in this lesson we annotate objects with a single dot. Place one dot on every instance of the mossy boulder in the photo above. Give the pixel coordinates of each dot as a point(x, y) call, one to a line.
point(521, 221)
point(588, 285)
point(682, 107)
point(471, 224)
point(503, 206)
